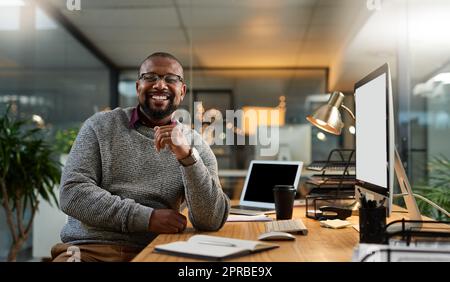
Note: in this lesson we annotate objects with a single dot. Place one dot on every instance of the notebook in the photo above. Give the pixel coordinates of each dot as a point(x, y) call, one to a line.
point(257, 195)
point(213, 247)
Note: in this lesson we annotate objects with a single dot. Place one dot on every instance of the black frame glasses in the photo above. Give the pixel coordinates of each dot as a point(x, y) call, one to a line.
point(154, 77)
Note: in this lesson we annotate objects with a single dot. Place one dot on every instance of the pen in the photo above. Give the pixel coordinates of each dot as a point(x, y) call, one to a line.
point(223, 244)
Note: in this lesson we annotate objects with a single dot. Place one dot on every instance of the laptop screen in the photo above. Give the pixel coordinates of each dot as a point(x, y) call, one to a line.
point(264, 176)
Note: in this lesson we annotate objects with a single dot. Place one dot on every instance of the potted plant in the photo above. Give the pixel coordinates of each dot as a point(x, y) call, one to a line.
point(49, 220)
point(27, 171)
point(64, 139)
point(436, 188)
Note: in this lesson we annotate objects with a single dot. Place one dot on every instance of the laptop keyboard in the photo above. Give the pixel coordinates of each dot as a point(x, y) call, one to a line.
point(288, 225)
point(250, 208)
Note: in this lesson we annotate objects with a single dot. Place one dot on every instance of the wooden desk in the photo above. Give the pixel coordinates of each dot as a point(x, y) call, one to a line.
point(321, 244)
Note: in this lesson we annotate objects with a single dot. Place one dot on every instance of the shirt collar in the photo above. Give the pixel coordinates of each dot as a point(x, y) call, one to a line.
point(137, 116)
point(134, 118)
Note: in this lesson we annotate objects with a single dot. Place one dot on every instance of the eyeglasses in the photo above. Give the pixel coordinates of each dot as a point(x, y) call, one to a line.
point(151, 77)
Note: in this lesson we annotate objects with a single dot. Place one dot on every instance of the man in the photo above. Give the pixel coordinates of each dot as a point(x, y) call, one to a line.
point(129, 171)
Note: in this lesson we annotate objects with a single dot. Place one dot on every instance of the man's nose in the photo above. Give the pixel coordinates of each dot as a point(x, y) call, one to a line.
point(160, 84)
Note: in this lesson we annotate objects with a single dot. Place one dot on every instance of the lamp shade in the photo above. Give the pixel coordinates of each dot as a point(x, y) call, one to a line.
point(328, 117)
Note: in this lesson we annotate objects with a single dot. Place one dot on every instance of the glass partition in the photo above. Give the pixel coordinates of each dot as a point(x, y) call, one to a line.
point(222, 89)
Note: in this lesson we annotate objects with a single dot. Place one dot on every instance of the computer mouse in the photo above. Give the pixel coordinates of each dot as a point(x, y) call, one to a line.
point(276, 235)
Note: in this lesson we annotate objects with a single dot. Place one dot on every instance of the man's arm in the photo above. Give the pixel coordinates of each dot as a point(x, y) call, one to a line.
point(207, 203)
point(82, 198)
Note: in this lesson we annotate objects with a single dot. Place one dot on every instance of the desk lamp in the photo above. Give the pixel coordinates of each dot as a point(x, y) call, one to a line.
point(328, 117)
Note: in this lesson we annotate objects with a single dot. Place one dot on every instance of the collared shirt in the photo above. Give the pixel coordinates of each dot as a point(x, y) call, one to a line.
point(137, 116)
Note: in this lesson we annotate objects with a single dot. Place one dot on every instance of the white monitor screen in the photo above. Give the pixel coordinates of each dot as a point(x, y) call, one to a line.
point(371, 131)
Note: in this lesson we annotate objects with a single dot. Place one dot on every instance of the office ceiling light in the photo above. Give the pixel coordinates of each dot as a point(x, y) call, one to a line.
point(321, 136)
point(352, 129)
point(442, 77)
point(11, 3)
point(39, 121)
point(328, 117)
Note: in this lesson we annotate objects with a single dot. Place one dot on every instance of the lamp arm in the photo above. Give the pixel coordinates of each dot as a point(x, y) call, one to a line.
point(348, 111)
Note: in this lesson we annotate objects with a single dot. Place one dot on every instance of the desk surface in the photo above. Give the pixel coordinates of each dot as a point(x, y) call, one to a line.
point(321, 244)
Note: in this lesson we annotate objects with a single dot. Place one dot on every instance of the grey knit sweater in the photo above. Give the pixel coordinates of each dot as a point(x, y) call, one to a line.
point(114, 178)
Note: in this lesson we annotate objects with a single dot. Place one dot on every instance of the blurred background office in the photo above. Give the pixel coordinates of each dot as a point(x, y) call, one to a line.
point(62, 61)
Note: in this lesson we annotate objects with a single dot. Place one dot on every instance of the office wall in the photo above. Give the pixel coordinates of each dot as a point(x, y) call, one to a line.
point(44, 71)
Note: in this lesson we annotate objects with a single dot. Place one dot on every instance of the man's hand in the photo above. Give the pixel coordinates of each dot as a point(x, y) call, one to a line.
point(166, 221)
point(171, 136)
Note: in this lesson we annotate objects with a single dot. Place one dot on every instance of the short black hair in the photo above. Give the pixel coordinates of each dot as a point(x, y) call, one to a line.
point(160, 55)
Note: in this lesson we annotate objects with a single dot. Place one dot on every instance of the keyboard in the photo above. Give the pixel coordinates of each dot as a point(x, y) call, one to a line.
point(336, 167)
point(246, 210)
point(332, 180)
point(239, 207)
point(288, 225)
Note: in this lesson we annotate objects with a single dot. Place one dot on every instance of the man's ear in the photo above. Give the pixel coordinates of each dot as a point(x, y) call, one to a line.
point(183, 91)
point(137, 88)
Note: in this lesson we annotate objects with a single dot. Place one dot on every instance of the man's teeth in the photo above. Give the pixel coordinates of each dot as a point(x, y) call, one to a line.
point(160, 98)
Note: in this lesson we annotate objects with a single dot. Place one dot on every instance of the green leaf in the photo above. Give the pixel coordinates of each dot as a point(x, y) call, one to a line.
point(436, 187)
point(27, 164)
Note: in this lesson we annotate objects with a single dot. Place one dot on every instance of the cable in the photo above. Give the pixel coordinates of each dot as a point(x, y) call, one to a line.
point(432, 204)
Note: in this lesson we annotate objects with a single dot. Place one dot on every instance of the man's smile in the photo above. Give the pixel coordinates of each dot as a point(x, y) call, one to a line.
point(159, 98)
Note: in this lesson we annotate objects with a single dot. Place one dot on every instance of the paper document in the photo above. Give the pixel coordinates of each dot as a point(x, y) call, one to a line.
point(335, 223)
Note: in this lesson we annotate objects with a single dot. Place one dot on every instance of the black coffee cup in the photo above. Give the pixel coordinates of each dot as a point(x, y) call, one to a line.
point(284, 196)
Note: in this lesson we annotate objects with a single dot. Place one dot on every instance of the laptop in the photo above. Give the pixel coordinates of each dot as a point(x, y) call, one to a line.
point(257, 195)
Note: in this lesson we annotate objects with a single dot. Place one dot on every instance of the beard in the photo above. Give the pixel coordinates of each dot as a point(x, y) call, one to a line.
point(155, 113)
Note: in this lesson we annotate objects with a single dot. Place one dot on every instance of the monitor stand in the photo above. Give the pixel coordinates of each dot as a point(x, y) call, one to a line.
point(405, 188)
point(408, 196)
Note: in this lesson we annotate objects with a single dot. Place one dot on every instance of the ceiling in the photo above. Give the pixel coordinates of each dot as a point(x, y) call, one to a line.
point(222, 33)
point(217, 33)
point(344, 35)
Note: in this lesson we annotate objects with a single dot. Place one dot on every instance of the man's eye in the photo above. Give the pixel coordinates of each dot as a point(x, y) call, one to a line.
point(171, 79)
point(150, 78)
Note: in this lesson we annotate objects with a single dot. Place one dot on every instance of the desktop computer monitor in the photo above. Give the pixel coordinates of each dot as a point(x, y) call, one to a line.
point(374, 142)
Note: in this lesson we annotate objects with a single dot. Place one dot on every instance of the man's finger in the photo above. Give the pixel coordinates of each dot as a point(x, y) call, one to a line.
point(166, 126)
point(161, 133)
point(158, 137)
point(165, 141)
point(176, 224)
point(164, 131)
point(170, 229)
point(182, 219)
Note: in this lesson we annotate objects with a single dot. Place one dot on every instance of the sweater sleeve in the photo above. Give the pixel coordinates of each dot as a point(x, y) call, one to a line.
point(207, 203)
point(81, 196)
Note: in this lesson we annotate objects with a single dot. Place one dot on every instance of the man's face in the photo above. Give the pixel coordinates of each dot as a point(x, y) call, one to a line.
point(160, 99)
